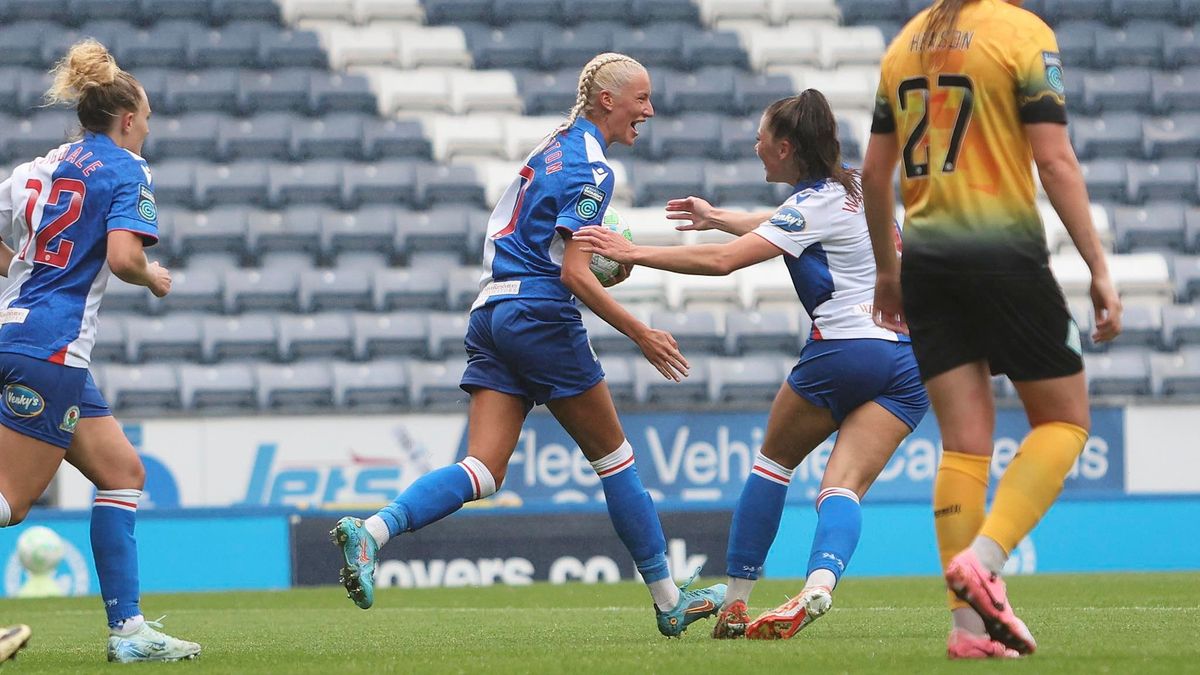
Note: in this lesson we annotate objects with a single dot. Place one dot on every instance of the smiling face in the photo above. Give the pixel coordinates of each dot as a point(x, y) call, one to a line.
point(622, 111)
point(776, 156)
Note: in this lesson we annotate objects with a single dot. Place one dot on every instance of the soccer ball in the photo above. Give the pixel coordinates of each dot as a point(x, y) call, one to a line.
point(606, 270)
point(40, 549)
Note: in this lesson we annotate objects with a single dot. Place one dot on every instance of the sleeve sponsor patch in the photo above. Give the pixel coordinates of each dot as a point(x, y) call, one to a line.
point(1054, 73)
point(146, 207)
point(587, 206)
point(788, 219)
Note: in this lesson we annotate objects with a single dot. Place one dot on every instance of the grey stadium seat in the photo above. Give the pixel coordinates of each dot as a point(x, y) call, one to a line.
point(655, 45)
point(655, 183)
point(767, 331)
point(122, 297)
point(713, 48)
point(1155, 225)
point(340, 92)
point(455, 11)
point(220, 230)
point(435, 383)
point(449, 185)
point(1111, 135)
point(737, 183)
point(265, 136)
point(1077, 42)
point(227, 388)
point(334, 289)
point(174, 184)
point(861, 11)
point(213, 90)
point(548, 93)
point(665, 10)
point(388, 335)
point(385, 138)
point(1124, 10)
point(753, 93)
point(575, 45)
point(318, 182)
point(517, 45)
point(1141, 324)
point(1176, 91)
point(746, 380)
point(1118, 89)
point(371, 229)
point(148, 387)
point(110, 338)
point(296, 229)
point(268, 288)
point(695, 330)
point(1106, 180)
point(186, 136)
point(446, 333)
point(1181, 47)
point(408, 288)
point(174, 337)
point(1175, 136)
point(1191, 228)
point(235, 44)
point(1186, 272)
point(618, 375)
point(39, 134)
point(707, 89)
point(195, 289)
point(250, 336)
point(390, 182)
point(738, 136)
point(1168, 179)
point(444, 228)
point(462, 287)
point(652, 387)
point(1081, 9)
point(1137, 43)
point(504, 11)
point(291, 48)
point(163, 45)
point(236, 183)
point(294, 387)
point(585, 12)
point(686, 136)
point(1118, 373)
point(282, 89)
point(1180, 326)
point(336, 136)
point(315, 336)
point(1176, 374)
point(381, 384)
point(127, 10)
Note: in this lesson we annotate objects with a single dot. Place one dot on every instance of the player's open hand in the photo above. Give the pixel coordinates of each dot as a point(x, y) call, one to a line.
point(697, 212)
point(607, 243)
point(159, 279)
point(663, 353)
point(888, 310)
point(1107, 305)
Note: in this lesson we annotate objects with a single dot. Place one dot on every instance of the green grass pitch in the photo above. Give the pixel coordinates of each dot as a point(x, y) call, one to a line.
point(1110, 623)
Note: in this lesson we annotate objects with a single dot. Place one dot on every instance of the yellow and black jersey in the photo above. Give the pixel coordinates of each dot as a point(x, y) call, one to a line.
point(956, 102)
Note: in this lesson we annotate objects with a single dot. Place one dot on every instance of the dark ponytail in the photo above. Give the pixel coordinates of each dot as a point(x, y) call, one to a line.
point(807, 122)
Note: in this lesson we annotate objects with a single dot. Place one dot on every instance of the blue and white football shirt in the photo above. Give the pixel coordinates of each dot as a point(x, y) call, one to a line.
point(565, 184)
point(57, 212)
point(824, 233)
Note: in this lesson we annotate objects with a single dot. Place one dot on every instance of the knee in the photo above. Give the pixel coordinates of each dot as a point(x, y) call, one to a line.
point(498, 474)
point(130, 473)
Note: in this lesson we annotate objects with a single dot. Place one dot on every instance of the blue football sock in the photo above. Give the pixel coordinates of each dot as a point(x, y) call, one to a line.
point(839, 525)
point(632, 513)
point(437, 494)
point(114, 513)
point(756, 518)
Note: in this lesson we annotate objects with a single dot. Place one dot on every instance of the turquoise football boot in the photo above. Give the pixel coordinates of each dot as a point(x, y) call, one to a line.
point(693, 605)
point(359, 549)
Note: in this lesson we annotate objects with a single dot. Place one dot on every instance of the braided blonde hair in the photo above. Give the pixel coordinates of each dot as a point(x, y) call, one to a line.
point(609, 71)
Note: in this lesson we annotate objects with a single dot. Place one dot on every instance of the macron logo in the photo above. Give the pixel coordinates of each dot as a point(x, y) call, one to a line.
point(599, 175)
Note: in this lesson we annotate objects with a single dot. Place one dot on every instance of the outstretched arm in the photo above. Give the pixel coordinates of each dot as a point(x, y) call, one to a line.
point(705, 259)
point(700, 215)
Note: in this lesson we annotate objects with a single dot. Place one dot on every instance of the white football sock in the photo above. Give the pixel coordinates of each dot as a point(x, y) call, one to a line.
point(968, 620)
point(990, 554)
point(378, 530)
point(665, 594)
point(5, 512)
point(739, 589)
point(821, 577)
point(129, 626)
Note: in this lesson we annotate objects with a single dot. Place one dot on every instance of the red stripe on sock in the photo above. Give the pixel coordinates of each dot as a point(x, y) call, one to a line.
point(622, 465)
point(474, 479)
point(767, 473)
point(105, 500)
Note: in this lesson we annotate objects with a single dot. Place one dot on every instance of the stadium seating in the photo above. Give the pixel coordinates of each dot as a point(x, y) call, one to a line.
point(325, 169)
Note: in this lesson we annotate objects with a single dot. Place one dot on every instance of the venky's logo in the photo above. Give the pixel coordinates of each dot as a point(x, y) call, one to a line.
point(23, 401)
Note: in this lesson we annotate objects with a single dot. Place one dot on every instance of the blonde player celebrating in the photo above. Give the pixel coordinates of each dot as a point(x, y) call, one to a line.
point(84, 209)
point(853, 377)
point(526, 346)
point(971, 93)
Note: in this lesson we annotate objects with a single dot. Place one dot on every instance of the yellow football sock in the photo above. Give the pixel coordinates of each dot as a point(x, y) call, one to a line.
point(1032, 482)
point(959, 495)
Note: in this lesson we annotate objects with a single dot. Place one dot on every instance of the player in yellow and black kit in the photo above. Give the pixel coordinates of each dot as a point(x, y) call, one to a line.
point(970, 94)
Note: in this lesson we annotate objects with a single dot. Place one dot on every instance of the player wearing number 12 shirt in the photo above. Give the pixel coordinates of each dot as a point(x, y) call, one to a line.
point(83, 210)
point(970, 95)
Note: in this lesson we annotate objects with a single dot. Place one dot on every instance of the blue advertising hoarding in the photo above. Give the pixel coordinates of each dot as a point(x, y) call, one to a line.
point(178, 550)
point(695, 458)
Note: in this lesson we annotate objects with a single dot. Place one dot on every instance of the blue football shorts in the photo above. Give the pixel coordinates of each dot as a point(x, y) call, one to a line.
point(41, 400)
point(536, 349)
point(841, 375)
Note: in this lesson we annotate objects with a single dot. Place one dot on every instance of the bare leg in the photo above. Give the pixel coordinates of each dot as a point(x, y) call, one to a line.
point(27, 466)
